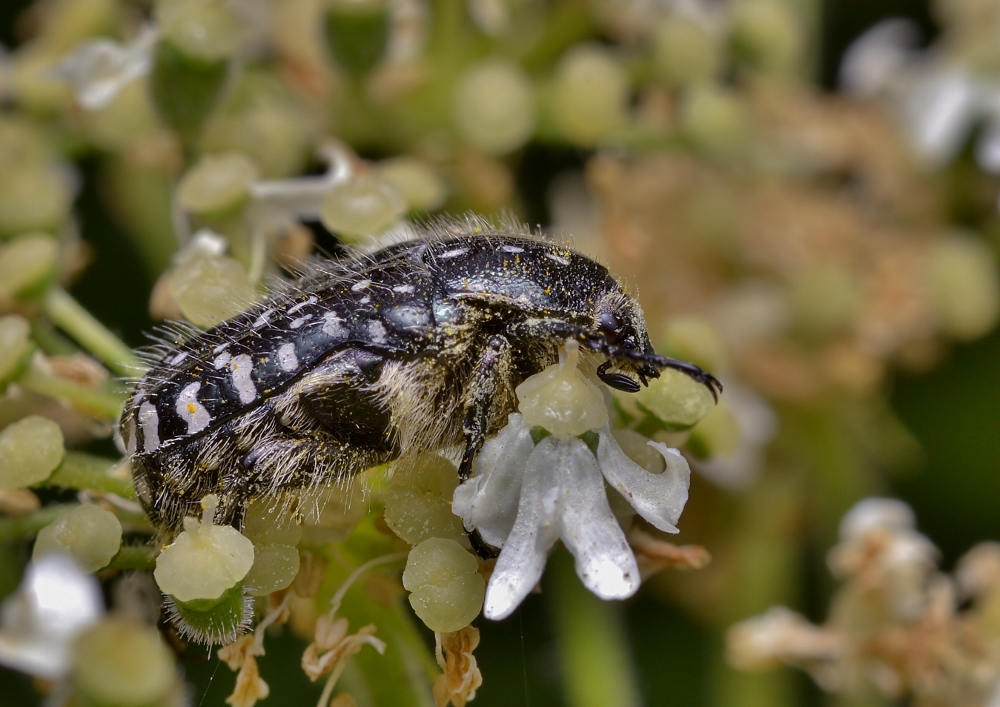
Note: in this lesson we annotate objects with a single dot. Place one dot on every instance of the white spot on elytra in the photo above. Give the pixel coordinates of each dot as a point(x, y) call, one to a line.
point(300, 305)
point(561, 259)
point(404, 289)
point(333, 326)
point(149, 420)
point(222, 360)
point(454, 253)
point(512, 249)
point(177, 358)
point(360, 285)
point(287, 358)
point(364, 300)
point(300, 321)
point(221, 347)
point(376, 331)
point(263, 318)
point(191, 410)
point(241, 367)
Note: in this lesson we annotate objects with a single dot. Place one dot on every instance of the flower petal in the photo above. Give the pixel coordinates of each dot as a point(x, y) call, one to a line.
point(488, 502)
point(588, 528)
point(659, 498)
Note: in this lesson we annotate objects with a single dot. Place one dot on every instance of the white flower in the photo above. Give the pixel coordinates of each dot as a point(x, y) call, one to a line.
point(100, 69)
point(938, 100)
point(55, 602)
point(526, 496)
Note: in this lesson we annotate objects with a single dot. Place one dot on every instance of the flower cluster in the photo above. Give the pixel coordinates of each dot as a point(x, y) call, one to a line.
point(897, 624)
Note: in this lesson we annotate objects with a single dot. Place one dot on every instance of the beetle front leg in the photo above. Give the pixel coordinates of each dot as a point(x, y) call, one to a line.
point(492, 369)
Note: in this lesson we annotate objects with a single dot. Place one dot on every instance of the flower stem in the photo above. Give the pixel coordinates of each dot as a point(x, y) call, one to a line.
point(134, 557)
point(22, 527)
point(592, 644)
point(81, 397)
point(76, 321)
point(86, 472)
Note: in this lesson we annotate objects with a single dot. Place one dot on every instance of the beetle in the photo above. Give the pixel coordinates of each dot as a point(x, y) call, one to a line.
point(358, 362)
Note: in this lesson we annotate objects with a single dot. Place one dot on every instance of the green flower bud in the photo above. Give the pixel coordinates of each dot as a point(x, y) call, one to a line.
point(119, 663)
point(418, 182)
point(684, 52)
point(713, 120)
point(203, 573)
point(275, 533)
point(34, 193)
point(89, 533)
point(674, 400)
point(494, 107)
point(362, 206)
point(825, 299)
point(217, 186)
point(357, 33)
point(560, 399)
point(766, 35)
point(962, 286)
point(446, 589)
point(201, 30)
point(210, 289)
point(418, 501)
point(15, 348)
point(30, 450)
point(717, 435)
point(589, 95)
point(28, 265)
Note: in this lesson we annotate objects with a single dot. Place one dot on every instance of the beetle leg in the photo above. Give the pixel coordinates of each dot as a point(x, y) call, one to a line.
point(492, 368)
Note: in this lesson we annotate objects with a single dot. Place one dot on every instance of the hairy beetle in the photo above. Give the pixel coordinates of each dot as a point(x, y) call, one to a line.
point(355, 363)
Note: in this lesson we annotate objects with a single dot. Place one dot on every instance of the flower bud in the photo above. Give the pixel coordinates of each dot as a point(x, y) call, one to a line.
point(218, 185)
point(418, 501)
point(446, 589)
point(765, 34)
point(207, 286)
point(675, 400)
point(90, 534)
point(560, 399)
point(362, 206)
point(494, 107)
point(963, 288)
point(120, 663)
point(717, 435)
point(15, 348)
point(201, 30)
point(27, 265)
point(590, 94)
point(202, 571)
point(418, 182)
point(713, 120)
point(684, 52)
point(275, 534)
point(30, 450)
point(205, 560)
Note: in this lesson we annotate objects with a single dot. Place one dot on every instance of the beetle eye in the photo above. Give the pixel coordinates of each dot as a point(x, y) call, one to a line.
point(611, 327)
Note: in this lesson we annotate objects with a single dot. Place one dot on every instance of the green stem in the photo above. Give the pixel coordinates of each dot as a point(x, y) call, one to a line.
point(81, 397)
point(86, 472)
point(134, 557)
point(76, 321)
point(25, 526)
point(592, 645)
